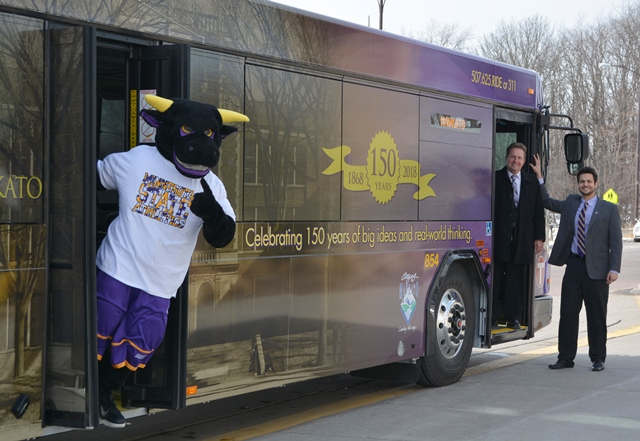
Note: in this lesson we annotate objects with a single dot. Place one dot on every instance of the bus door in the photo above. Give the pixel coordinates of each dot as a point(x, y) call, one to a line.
point(125, 72)
point(514, 126)
point(70, 364)
point(94, 87)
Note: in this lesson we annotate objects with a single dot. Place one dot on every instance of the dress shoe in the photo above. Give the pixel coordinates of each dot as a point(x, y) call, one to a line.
point(513, 324)
point(597, 366)
point(561, 364)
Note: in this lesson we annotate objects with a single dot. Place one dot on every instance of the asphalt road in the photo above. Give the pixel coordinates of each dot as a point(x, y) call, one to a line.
point(507, 393)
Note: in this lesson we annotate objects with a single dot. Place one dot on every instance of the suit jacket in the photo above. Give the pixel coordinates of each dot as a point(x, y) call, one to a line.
point(528, 218)
point(604, 236)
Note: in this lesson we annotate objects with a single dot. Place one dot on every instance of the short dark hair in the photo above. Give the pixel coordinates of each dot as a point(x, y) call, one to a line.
point(515, 145)
point(588, 170)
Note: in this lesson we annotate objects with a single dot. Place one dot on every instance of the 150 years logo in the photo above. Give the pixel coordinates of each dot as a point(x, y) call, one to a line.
point(384, 170)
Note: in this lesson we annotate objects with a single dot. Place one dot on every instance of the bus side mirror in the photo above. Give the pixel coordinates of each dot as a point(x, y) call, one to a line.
point(576, 151)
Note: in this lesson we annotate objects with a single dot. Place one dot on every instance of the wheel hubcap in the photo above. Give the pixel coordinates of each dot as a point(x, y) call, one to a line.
point(451, 323)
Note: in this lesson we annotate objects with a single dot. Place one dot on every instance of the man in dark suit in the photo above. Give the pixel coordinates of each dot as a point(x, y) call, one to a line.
point(589, 242)
point(519, 232)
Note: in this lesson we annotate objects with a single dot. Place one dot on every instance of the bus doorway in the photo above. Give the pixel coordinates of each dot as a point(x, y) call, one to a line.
point(124, 73)
point(513, 126)
point(92, 118)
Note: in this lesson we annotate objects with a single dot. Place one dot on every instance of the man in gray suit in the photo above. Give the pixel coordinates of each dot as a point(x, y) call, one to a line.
point(589, 242)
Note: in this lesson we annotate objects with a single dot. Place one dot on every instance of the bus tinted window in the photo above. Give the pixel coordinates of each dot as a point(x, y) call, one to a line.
point(219, 80)
point(21, 120)
point(297, 116)
point(455, 146)
point(380, 174)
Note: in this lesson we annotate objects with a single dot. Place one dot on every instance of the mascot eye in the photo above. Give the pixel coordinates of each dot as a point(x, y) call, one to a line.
point(186, 130)
point(209, 133)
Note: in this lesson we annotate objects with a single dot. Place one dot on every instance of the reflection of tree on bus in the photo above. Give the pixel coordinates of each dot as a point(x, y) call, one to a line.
point(519, 231)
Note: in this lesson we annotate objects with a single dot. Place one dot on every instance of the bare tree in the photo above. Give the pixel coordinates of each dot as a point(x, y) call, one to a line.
point(447, 35)
point(22, 246)
point(530, 43)
point(604, 102)
point(21, 152)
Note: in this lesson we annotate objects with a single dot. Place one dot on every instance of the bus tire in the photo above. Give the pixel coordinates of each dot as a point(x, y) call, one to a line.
point(453, 332)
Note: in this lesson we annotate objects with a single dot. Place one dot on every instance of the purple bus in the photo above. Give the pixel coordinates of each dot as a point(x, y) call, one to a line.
point(362, 187)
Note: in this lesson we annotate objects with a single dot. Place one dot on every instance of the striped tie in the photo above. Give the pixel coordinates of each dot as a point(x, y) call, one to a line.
point(582, 232)
point(514, 184)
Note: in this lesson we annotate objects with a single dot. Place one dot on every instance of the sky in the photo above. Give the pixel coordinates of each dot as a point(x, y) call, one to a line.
point(481, 16)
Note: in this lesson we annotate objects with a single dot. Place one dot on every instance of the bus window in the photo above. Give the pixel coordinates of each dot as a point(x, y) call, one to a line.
point(511, 126)
point(381, 132)
point(284, 160)
point(455, 146)
point(111, 101)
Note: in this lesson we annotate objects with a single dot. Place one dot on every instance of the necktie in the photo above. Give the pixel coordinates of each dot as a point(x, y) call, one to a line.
point(514, 184)
point(582, 232)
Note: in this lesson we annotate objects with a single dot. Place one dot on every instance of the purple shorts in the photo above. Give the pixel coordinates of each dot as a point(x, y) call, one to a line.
point(130, 320)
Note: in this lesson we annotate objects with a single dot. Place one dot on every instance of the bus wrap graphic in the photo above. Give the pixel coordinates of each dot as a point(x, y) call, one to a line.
point(408, 295)
point(383, 172)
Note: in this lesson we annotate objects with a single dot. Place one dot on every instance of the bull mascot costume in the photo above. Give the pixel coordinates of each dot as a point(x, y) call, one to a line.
point(167, 193)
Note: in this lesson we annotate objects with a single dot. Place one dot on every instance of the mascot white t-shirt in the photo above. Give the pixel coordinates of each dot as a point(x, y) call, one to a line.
point(154, 201)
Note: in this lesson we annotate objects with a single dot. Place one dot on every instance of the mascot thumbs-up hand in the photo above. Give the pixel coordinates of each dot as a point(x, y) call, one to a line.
point(205, 206)
point(219, 228)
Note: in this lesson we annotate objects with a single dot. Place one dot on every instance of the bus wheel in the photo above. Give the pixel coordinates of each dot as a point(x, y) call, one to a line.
point(452, 337)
